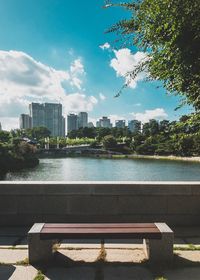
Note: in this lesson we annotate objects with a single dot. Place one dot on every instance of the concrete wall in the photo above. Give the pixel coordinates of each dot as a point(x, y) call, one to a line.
point(23, 203)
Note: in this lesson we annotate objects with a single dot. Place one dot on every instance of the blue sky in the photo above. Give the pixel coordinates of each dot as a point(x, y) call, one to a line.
point(57, 51)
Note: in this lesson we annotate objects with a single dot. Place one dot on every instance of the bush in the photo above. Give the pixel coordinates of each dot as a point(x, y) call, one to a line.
point(109, 142)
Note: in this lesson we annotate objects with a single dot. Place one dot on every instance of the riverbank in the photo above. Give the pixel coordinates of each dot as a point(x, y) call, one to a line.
point(150, 157)
point(176, 158)
point(112, 155)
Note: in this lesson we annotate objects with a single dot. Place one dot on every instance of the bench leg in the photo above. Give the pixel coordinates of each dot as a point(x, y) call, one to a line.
point(39, 250)
point(160, 250)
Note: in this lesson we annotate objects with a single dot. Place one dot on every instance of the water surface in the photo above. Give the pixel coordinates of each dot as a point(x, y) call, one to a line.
point(92, 169)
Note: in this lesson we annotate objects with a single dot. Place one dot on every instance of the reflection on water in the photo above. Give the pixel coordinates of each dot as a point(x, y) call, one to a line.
point(92, 169)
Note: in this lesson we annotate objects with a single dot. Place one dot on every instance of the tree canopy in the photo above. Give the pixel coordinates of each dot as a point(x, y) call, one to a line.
point(169, 32)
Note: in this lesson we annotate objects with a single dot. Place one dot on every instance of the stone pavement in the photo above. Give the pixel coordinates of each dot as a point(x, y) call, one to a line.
point(89, 262)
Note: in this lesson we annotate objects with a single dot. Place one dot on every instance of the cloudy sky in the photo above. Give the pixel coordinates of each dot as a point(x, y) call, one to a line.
point(57, 51)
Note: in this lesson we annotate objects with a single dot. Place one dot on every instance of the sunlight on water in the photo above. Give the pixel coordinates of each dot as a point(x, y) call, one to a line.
point(91, 169)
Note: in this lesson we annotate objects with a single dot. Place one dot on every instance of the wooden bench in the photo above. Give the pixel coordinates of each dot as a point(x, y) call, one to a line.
point(158, 237)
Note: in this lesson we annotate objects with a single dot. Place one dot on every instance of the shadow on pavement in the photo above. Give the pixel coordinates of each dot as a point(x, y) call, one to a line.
point(6, 271)
point(63, 268)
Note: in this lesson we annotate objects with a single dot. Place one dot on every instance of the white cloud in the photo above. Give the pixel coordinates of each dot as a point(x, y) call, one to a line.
point(93, 120)
point(9, 123)
point(102, 96)
point(105, 46)
point(125, 62)
point(158, 113)
point(77, 102)
point(24, 80)
point(77, 71)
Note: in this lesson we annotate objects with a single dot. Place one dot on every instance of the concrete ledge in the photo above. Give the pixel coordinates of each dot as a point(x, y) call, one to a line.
point(26, 203)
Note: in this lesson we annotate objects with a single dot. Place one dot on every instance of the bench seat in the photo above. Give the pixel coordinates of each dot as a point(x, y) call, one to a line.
point(157, 237)
point(100, 231)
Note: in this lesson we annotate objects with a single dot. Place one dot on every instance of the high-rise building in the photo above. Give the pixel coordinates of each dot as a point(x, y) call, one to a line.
point(0, 127)
point(72, 122)
point(134, 126)
point(63, 126)
point(48, 115)
point(104, 122)
point(82, 119)
point(25, 121)
point(53, 118)
point(37, 113)
point(120, 123)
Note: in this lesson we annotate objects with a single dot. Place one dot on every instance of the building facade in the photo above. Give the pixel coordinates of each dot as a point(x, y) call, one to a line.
point(25, 121)
point(82, 119)
point(48, 115)
point(72, 122)
point(53, 118)
point(134, 126)
point(104, 122)
point(120, 123)
point(63, 127)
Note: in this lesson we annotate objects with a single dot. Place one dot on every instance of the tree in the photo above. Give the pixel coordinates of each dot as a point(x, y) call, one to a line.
point(4, 136)
point(109, 142)
point(38, 132)
point(169, 32)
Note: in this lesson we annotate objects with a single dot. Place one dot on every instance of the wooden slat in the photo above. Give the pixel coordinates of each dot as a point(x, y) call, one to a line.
point(106, 225)
point(117, 235)
point(100, 231)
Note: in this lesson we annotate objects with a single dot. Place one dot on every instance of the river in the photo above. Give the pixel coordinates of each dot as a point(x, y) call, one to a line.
point(93, 169)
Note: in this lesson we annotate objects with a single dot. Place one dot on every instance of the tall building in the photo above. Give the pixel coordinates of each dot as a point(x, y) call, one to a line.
point(72, 122)
point(0, 127)
point(25, 121)
point(53, 118)
point(63, 126)
point(47, 115)
point(120, 123)
point(37, 113)
point(82, 119)
point(104, 122)
point(134, 126)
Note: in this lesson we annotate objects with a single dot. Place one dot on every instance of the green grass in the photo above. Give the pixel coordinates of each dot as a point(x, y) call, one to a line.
point(102, 254)
point(39, 276)
point(187, 247)
point(23, 262)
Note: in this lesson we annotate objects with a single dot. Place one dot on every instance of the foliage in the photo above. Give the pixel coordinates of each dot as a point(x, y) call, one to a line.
point(169, 32)
point(100, 132)
point(39, 276)
point(15, 155)
point(181, 138)
point(37, 132)
point(109, 142)
point(4, 136)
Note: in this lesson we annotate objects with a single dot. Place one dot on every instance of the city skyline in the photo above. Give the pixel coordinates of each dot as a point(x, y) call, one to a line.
point(50, 115)
point(54, 56)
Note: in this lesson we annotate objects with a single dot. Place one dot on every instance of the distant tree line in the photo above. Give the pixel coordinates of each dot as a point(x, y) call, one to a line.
point(181, 138)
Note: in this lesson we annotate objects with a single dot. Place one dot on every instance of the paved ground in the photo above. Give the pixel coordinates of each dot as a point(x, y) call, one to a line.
point(84, 261)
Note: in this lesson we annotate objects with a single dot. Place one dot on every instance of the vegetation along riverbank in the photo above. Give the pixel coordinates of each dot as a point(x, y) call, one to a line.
point(171, 140)
point(15, 154)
